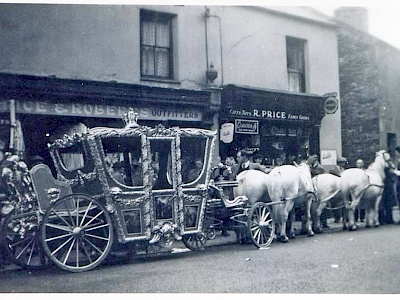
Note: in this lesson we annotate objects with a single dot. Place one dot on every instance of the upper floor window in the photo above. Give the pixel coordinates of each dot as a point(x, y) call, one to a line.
point(295, 64)
point(156, 45)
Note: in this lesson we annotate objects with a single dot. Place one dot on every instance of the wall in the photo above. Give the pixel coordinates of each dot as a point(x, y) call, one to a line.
point(99, 42)
point(93, 42)
point(259, 35)
point(369, 76)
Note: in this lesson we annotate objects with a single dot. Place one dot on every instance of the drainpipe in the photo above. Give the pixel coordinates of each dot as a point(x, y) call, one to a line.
point(208, 15)
point(13, 123)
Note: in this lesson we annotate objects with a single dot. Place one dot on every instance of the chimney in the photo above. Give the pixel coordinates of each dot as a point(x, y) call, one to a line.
point(356, 17)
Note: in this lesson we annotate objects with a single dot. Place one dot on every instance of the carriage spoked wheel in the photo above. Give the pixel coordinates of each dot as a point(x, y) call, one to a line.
point(77, 233)
point(195, 241)
point(211, 233)
point(261, 225)
point(22, 243)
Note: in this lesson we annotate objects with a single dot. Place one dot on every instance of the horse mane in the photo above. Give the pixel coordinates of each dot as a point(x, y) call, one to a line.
point(304, 168)
point(378, 165)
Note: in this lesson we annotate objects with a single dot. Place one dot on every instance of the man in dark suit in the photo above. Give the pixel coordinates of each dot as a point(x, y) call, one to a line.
point(244, 164)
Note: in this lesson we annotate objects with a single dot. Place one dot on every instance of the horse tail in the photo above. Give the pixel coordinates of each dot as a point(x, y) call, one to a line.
point(280, 187)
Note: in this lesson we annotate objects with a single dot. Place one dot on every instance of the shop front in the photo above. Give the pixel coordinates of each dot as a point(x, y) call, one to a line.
point(278, 126)
point(47, 108)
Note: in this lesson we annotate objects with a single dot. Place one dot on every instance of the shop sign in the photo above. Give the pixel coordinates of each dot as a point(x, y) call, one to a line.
point(328, 157)
point(269, 114)
point(226, 132)
point(100, 110)
point(283, 131)
point(246, 126)
point(331, 105)
point(4, 122)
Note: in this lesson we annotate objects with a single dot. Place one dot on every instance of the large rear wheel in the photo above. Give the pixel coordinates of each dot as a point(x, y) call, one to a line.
point(22, 243)
point(261, 225)
point(77, 233)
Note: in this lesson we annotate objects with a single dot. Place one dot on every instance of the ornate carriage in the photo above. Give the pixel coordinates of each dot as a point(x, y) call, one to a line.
point(118, 189)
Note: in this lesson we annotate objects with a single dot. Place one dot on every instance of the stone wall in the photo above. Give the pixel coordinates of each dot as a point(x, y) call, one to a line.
point(359, 88)
point(369, 87)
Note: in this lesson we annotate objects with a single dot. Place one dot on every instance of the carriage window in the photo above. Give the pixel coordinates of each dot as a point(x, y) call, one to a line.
point(161, 163)
point(193, 158)
point(72, 157)
point(123, 159)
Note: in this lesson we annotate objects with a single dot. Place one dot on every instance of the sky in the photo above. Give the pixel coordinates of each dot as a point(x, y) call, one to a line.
point(384, 15)
point(384, 20)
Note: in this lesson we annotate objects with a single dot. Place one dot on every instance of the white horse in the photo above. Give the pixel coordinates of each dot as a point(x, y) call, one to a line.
point(367, 186)
point(289, 185)
point(327, 191)
point(284, 186)
point(253, 185)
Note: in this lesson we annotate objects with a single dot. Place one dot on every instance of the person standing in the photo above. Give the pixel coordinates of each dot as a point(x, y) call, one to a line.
point(360, 212)
point(315, 167)
point(389, 193)
point(340, 167)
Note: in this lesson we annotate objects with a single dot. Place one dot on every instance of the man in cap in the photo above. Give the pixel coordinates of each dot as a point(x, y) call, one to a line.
point(315, 167)
point(340, 166)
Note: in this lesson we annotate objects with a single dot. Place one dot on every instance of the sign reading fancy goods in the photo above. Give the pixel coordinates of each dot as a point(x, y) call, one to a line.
point(100, 110)
point(270, 114)
point(246, 126)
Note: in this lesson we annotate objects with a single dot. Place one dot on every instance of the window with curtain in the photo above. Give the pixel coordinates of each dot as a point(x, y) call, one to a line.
point(295, 64)
point(156, 45)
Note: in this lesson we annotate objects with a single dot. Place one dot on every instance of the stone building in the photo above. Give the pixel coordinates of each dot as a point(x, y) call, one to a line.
point(369, 71)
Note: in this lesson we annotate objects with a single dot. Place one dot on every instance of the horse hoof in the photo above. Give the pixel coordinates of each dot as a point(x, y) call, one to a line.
point(283, 239)
point(318, 231)
point(310, 234)
point(292, 236)
point(352, 228)
point(377, 225)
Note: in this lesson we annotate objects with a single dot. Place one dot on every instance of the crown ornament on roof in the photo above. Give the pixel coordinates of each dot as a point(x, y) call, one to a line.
point(130, 119)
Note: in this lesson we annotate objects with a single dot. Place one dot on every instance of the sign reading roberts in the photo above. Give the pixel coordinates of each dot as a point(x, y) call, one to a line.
point(100, 110)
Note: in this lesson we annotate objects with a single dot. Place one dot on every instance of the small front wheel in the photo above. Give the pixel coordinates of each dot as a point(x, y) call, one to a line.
point(211, 234)
point(261, 225)
point(194, 241)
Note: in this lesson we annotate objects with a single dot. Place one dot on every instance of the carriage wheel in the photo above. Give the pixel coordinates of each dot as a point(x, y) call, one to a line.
point(77, 233)
point(211, 233)
point(21, 240)
point(195, 241)
point(261, 225)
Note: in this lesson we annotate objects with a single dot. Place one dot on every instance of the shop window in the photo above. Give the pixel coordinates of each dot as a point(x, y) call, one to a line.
point(295, 64)
point(156, 45)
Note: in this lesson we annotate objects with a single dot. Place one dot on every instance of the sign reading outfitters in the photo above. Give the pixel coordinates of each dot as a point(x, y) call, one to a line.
point(246, 126)
point(100, 110)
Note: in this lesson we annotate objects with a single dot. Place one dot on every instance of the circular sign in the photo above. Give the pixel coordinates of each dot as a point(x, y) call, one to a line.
point(331, 105)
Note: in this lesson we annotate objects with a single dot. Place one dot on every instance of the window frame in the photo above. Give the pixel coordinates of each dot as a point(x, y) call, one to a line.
point(157, 18)
point(298, 45)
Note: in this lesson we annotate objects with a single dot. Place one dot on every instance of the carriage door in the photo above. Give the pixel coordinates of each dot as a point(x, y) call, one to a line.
point(164, 180)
